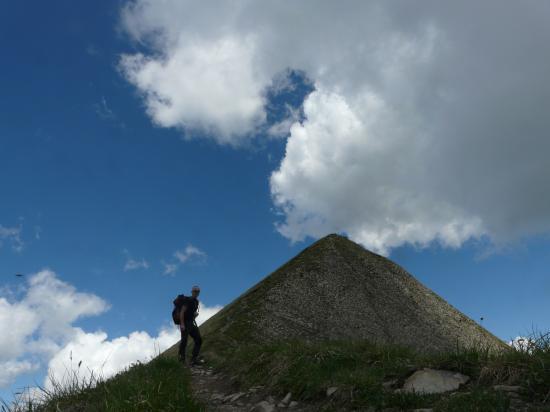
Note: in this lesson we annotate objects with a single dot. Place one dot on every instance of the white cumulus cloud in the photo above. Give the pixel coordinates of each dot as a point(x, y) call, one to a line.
point(93, 355)
point(201, 84)
point(428, 121)
point(38, 324)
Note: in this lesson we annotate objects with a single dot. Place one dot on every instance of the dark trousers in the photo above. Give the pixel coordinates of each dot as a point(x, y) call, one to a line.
point(193, 330)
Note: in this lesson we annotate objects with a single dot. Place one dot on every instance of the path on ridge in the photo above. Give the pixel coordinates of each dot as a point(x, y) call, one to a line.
point(218, 392)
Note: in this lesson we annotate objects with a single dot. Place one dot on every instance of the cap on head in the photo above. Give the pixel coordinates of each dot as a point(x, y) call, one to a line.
point(195, 288)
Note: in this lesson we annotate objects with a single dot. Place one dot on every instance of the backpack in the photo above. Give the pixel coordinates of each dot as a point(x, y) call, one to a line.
point(178, 303)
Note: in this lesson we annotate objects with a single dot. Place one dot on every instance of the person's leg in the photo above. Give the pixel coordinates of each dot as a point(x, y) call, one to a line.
point(183, 343)
point(196, 335)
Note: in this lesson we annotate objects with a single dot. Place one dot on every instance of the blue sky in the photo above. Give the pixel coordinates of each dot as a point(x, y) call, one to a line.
point(90, 179)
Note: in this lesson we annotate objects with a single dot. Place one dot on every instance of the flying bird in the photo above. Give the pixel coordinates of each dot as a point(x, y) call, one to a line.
point(19, 275)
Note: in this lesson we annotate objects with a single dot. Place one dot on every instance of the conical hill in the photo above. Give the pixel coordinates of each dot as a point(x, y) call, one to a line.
point(336, 289)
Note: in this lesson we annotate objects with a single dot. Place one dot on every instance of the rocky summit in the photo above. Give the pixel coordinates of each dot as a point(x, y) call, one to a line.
point(336, 289)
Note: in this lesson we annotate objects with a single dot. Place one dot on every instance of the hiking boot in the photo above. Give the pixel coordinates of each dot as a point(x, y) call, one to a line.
point(196, 362)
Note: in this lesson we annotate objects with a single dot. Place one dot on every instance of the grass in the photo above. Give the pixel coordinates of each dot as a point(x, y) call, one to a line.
point(364, 374)
point(159, 385)
point(360, 369)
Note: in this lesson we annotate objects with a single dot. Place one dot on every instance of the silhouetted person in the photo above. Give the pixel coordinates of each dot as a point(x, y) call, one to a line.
point(188, 326)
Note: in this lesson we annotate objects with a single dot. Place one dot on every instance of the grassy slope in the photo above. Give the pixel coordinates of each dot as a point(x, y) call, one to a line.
point(359, 369)
point(159, 385)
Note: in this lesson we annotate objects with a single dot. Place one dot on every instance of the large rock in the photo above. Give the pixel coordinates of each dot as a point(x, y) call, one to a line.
point(434, 381)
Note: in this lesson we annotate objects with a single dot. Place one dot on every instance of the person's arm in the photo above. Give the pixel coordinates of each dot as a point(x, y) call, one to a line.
point(182, 317)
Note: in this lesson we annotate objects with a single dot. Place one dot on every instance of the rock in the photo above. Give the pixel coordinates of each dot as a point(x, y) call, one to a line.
point(237, 396)
point(286, 399)
point(270, 399)
point(217, 396)
point(507, 388)
point(433, 381)
point(331, 390)
point(255, 388)
point(423, 410)
point(293, 404)
point(263, 406)
point(233, 397)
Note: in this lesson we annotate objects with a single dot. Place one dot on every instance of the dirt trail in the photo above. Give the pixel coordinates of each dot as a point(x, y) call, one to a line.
point(218, 392)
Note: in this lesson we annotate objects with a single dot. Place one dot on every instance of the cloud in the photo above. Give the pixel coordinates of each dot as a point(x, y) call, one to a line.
point(184, 256)
point(12, 235)
point(523, 343)
point(36, 325)
point(205, 85)
point(90, 355)
point(134, 264)
point(427, 123)
point(376, 206)
point(282, 127)
point(189, 252)
point(169, 268)
point(12, 369)
point(103, 110)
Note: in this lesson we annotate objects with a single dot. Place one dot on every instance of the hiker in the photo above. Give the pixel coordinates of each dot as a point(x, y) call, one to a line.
point(188, 325)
